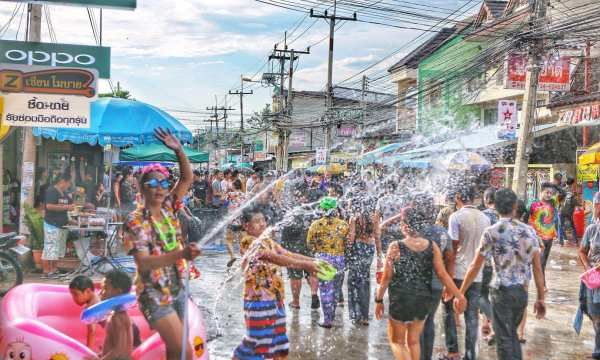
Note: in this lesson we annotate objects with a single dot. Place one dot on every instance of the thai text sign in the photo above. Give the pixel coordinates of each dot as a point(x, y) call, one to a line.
point(42, 110)
point(345, 131)
point(120, 4)
point(48, 80)
point(298, 139)
point(580, 114)
point(56, 55)
point(555, 74)
point(321, 156)
point(587, 172)
point(507, 119)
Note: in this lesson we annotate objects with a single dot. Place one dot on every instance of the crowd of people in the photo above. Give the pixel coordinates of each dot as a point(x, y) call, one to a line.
point(476, 255)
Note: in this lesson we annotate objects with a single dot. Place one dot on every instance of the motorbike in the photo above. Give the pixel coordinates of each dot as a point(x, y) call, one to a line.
point(11, 273)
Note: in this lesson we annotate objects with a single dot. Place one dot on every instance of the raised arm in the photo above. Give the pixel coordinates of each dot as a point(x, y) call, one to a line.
point(187, 177)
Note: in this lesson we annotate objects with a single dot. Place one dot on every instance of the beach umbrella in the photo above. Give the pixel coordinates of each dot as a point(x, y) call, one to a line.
point(466, 161)
point(159, 152)
point(120, 122)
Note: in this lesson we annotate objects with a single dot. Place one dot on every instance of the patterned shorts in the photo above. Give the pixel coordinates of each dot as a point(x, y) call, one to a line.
point(55, 242)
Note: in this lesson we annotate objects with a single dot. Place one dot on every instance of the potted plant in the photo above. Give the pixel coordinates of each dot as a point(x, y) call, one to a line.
point(35, 223)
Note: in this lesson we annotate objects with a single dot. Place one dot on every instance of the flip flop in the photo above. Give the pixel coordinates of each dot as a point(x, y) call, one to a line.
point(291, 305)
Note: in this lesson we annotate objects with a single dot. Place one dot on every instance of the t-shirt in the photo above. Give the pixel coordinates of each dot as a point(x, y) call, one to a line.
point(466, 226)
point(438, 235)
point(118, 343)
point(200, 189)
point(511, 245)
point(217, 189)
point(543, 216)
point(328, 235)
point(262, 280)
point(569, 204)
point(56, 218)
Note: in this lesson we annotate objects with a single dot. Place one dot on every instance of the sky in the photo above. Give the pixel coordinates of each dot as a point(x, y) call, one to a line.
point(185, 55)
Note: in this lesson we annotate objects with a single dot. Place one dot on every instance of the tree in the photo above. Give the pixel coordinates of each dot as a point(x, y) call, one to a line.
point(118, 93)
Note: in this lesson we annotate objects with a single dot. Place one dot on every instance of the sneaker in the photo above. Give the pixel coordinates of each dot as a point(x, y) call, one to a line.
point(340, 303)
point(325, 325)
point(315, 304)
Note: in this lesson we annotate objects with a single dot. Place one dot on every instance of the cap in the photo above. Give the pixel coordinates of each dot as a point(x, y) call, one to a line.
point(597, 198)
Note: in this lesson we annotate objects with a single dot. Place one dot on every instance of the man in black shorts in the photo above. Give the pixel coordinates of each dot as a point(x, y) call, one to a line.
point(294, 230)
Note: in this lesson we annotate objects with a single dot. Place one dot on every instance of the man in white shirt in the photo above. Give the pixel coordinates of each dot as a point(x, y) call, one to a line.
point(465, 227)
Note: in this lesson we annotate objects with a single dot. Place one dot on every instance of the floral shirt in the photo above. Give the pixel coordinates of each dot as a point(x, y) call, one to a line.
point(328, 235)
point(263, 280)
point(511, 245)
point(158, 284)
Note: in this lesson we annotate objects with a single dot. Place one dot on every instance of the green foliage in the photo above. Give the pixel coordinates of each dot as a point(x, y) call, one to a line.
point(119, 93)
point(35, 223)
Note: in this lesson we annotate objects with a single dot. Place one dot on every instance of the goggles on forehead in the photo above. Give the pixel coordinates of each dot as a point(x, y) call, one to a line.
point(154, 183)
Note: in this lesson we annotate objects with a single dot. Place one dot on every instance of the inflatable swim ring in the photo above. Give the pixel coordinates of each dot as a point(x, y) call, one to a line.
point(102, 310)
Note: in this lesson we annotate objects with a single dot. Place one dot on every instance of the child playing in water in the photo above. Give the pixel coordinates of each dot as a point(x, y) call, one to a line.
point(118, 342)
point(263, 290)
point(82, 291)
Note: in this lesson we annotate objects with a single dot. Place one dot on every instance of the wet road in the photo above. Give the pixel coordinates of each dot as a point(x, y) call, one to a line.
point(551, 338)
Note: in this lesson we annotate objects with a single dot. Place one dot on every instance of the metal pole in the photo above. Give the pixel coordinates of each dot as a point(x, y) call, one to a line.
point(29, 151)
point(329, 94)
point(525, 138)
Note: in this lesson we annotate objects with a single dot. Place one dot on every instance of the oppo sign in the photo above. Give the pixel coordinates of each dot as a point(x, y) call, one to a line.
point(59, 55)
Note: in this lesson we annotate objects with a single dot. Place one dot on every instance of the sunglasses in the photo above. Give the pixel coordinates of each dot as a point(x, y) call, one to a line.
point(154, 183)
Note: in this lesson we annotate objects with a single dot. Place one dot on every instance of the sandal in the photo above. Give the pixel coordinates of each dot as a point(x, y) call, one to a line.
point(325, 326)
point(522, 340)
point(291, 305)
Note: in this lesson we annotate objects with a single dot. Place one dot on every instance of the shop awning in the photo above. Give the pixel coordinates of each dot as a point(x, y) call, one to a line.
point(159, 152)
point(120, 122)
point(482, 138)
point(374, 155)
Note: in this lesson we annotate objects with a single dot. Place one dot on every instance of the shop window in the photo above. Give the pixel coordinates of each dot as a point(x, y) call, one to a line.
point(490, 117)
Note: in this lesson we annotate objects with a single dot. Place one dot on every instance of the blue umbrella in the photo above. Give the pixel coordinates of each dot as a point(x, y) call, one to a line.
point(120, 122)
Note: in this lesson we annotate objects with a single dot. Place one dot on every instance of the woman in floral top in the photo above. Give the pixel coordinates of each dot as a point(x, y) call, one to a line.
point(158, 248)
point(264, 308)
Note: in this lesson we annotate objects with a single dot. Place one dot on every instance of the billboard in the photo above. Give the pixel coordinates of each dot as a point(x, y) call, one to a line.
point(555, 74)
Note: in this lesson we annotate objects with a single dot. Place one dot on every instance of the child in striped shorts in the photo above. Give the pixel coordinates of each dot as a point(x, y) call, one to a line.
point(264, 308)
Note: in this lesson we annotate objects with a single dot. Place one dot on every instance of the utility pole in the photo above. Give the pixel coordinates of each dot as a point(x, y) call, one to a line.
point(29, 152)
point(241, 93)
point(329, 92)
point(285, 102)
point(363, 102)
point(587, 87)
point(525, 139)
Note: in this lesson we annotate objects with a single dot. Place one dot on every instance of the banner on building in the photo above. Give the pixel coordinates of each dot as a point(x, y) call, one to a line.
point(508, 117)
point(56, 55)
point(33, 79)
point(587, 172)
point(117, 4)
point(43, 110)
point(321, 156)
point(345, 131)
point(580, 114)
point(555, 74)
point(297, 139)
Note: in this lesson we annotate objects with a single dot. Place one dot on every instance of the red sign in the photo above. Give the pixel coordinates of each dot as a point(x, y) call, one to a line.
point(345, 131)
point(579, 114)
point(555, 74)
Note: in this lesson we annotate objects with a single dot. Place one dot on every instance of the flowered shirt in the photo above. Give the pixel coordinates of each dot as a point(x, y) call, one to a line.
point(158, 285)
point(591, 243)
point(328, 235)
point(263, 280)
point(544, 219)
point(511, 245)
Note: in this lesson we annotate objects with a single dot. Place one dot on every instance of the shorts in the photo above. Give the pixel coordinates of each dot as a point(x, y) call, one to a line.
point(55, 242)
point(297, 274)
point(153, 311)
point(409, 307)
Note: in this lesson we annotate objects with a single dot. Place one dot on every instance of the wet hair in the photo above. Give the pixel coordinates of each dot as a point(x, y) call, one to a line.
point(548, 185)
point(227, 171)
point(505, 201)
point(64, 176)
point(489, 196)
point(465, 193)
point(424, 203)
point(81, 283)
point(557, 176)
point(119, 280)
point(235, 173)
point(237, 184)
point(570, 181)
point(249, 213)
point(521, 212)
point(415, 219)
point(197, 172)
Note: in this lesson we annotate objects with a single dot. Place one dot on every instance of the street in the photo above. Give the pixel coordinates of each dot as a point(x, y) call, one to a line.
point(551, 338)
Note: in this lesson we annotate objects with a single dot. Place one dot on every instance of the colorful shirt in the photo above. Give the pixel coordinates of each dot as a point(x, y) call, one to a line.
point(163, 283)
point(263, 280)
point(544, 219)
point(511, 245)
point(328, 235)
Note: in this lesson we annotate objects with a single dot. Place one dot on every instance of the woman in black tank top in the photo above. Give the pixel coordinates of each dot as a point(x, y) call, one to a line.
point(407, 272)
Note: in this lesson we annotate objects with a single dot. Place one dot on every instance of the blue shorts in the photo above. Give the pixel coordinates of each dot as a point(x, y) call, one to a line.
point(153, 311)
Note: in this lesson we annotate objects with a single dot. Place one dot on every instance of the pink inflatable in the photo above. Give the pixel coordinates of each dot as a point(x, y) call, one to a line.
point(41, 322)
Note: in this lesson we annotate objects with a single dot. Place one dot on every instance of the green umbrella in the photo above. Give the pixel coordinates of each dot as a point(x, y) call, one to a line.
point(159, 152)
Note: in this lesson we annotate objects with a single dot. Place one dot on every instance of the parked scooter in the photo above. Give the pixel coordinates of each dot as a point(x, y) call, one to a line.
point(11, 273)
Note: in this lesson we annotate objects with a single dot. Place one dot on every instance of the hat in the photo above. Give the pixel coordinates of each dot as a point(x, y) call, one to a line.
point(597, 198)
point(328, 203)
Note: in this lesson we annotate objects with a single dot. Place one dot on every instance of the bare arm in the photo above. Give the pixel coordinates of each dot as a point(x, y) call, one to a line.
point(352, 231)
point(450, 262)
point(187, 177)
point(538, 276)
point(91, 336)
point(388, 270)
point(59, 207)
point(288, 261)
point(441, 272)
point(377, 226)
point(583, 256)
